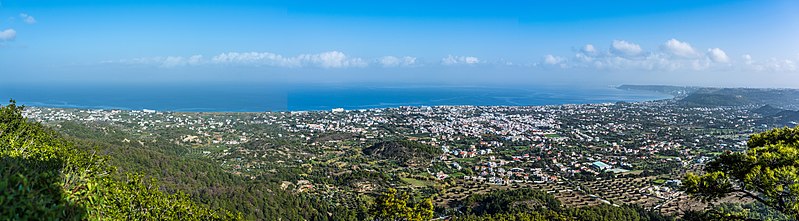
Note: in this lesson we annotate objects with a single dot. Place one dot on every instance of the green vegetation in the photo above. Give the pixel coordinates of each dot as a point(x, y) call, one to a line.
point(513, 201)
point(527, 204)
point(736, 211)
point(43, 176)
point(767, 172)
point(179, 170)
point(403, 151)
point(416, 182)
point(501, 162)
point(711, 99)
point(397, 206)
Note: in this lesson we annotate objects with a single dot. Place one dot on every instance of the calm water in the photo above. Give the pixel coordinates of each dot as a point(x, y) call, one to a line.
point(252, 98)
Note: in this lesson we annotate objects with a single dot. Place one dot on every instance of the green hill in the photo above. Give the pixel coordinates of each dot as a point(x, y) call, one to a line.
point(403, 151)
point(711, 99)
point(43, 176)
point(767, 110)
point(709, 96)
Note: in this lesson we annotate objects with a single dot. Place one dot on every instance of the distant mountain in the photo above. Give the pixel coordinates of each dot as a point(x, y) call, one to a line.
point(708, 96)
point(676, 91)
point(767, 110)
point(709, 99)
point(403, 151)
point(777, 116)
point(787, 118)
point(779, 98)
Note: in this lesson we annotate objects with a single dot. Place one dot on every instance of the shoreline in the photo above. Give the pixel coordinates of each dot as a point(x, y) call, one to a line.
point(334, 109)
point(247, 100)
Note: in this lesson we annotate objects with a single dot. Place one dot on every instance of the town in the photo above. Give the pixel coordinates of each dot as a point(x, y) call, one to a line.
point(588, 154)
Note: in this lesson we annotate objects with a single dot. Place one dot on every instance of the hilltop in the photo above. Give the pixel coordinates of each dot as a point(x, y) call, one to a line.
point(710, 96)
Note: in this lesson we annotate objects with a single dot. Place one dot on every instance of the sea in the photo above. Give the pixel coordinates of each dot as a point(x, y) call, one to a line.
point(306, 97)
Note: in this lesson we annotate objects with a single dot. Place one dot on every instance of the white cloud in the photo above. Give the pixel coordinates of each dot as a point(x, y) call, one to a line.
point(552, 60)
point(194, 60)
point(772, 65)
point(177, 61)
point(164, 62)
point(679, 48)
point(588, 49)
point(673, 55)
point(172, 61)
point(624, 48)
point(332, 59)
point(27, 18)
point(717, 55)
point(778, 65)
point(8, 35)
point(747, 59)
point(391, 61)
point(454, 60)
point(256, 58)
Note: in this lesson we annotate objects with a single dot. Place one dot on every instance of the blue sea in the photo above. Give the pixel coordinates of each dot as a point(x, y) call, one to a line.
point(259, 98)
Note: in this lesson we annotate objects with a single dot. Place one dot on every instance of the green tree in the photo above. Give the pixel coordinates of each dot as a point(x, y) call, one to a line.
point(396, 206)
point(766, 172)
point(44, 177)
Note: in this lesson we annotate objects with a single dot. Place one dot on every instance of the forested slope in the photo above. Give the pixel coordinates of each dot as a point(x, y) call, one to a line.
point(43, 176)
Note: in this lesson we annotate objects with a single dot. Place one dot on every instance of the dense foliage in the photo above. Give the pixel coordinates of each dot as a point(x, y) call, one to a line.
point(737, 211)
point(396, 206)
point(767, 172)
point(528, 204)
point(514, 201)
point(403, 151)
point(43, 176)
point(178, 170)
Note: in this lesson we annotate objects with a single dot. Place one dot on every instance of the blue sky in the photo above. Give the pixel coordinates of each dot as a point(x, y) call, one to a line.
point(716, 43)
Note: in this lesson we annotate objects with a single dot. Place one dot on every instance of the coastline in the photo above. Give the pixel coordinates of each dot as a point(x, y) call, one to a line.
point(266, 99)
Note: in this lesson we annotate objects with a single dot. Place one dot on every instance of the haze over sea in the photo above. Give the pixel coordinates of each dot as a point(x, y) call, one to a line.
point(259, 98)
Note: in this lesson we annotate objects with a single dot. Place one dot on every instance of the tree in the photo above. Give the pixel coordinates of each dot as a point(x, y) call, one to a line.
point(395, 206)
point(767, 172)
point(43, 176)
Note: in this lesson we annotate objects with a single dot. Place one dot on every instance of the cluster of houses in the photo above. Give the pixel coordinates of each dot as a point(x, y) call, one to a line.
point(560, 140)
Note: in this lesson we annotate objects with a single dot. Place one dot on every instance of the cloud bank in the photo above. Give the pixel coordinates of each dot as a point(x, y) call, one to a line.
point(672, 55)
point(391, 61)
point(457, 60)
point(330, 59)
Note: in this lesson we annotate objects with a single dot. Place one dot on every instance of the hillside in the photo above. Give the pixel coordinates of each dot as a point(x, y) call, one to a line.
point(676, 91)
point(711, 99)
point(403, 151)
point(527, 204)
point(282, 166)
point(767, 110)
point(709, 96)
point(783, 118)
point(44, 176)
